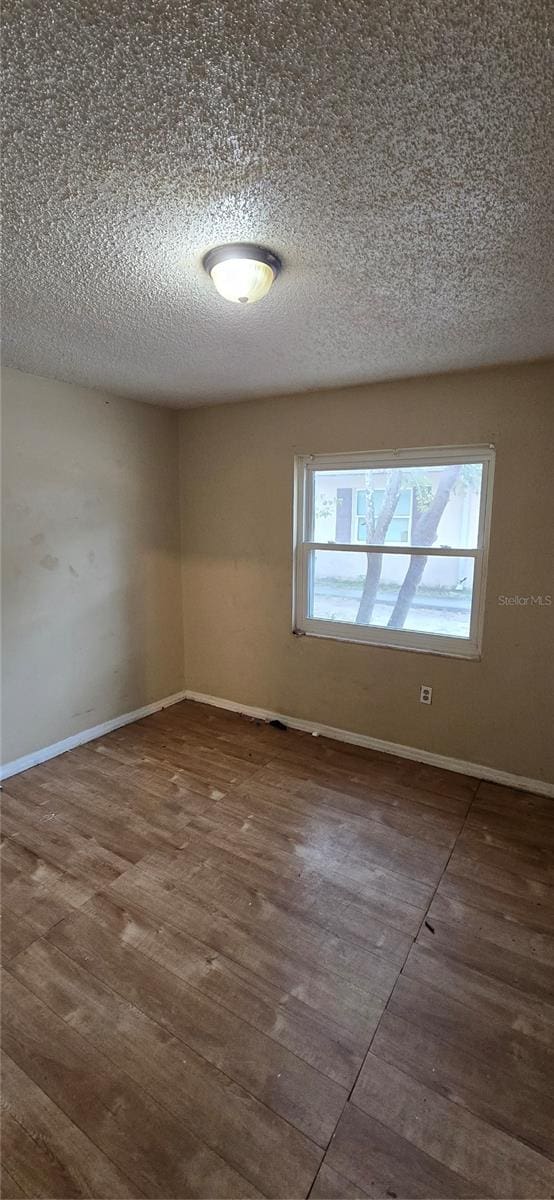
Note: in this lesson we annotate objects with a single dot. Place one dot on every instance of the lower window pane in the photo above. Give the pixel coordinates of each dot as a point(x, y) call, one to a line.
point(394, 591)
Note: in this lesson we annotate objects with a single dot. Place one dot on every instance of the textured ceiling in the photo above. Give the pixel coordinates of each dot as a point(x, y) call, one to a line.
point(395, 153)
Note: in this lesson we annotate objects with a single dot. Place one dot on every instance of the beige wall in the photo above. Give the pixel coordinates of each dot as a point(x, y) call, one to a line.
point(236, 483)
point(91, 614)
point(91, 588)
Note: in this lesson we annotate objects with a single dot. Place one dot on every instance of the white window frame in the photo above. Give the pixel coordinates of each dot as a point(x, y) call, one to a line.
point(399, 639)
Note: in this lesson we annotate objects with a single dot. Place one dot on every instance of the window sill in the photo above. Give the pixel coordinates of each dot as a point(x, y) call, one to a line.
point(470, 654)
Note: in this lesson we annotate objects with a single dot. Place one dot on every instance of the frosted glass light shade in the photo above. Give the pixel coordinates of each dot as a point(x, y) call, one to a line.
point(242, 280)
point(242, 273)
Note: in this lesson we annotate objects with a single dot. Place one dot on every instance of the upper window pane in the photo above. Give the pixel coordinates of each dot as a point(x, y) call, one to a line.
point(436, 505)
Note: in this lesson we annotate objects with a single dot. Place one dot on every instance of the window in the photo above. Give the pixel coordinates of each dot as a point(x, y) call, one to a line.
point(390, 548)
point(399, 528)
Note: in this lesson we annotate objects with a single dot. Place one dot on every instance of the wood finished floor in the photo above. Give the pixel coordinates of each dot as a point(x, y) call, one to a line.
point(243, 962)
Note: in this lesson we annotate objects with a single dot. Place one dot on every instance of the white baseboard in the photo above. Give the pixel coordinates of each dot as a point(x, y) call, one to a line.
point(86, 735)
point(539, 786)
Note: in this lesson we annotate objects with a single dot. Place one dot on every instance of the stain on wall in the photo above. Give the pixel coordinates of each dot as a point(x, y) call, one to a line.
point(91, 589)
point(49, 562)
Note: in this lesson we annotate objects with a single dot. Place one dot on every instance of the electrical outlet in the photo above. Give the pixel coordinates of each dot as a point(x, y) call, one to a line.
point(425, 694)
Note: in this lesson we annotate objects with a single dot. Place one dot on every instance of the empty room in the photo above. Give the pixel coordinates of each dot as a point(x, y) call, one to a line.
point(277, 735)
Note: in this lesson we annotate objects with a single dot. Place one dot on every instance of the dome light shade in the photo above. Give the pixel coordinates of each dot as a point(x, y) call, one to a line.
point(242, 272)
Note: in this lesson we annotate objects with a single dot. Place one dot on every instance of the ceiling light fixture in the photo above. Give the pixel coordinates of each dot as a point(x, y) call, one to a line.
point(242, 272)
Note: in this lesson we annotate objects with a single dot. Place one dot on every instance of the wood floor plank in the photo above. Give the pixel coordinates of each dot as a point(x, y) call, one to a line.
point(329, 1185)
point(204, 769)
point(507, 966)
point(16, 934)
point(360, 877)
point(377, 843)
point(164, 810)
point(440, 781)
point(379, 784)
point(294, 1090)
point(150, 777)
point(242, 961)
point(112, 820)
point(33, 1164)
point(88, 820)
point(136, 1133)
point(488, 1158)
point(495, 928)
point(249, 1136)
point(529, 907)
point(162, 741)
point(9, 1189)
point(417, 870)
point(454, 1069)
point(406, 816)
point(384, 924)
point(335, 997)
point(52, 1156)
point(358, 837)
point(495, 850)
point(382, 1163)
point(300, 750)
point(42, 899)
point(173, 730)
point(533, 833)
point(494, 797)
point(382, 899)
point(277, 1014)
point(465, 866)
point(277, 921)
point(497, 1002)
point(354, 776)
point(48, 837)
point(526, 1060)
